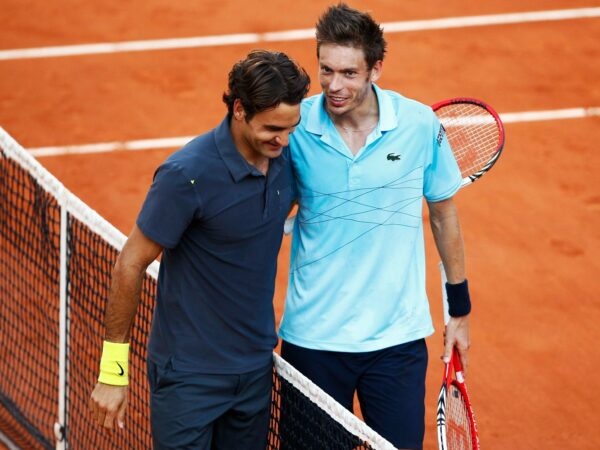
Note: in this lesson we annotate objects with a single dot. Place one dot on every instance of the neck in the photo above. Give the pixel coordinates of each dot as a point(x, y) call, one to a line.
point(357, 130)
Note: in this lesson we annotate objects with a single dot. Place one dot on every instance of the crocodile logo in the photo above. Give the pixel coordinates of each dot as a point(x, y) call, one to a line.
point(393, 157)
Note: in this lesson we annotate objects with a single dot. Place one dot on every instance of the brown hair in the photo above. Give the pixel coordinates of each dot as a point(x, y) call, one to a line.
point(263, 80)
point(346, 26)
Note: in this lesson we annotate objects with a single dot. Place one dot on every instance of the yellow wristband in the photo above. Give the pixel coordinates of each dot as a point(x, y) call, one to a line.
point(114, 369)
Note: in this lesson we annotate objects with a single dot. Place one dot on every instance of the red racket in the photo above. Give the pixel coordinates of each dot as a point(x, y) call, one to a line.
point(456, 425)
point(476, 136)
point(475, 133)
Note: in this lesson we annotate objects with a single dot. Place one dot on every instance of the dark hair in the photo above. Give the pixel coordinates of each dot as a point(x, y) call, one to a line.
point(346, 26)
point(263, 80)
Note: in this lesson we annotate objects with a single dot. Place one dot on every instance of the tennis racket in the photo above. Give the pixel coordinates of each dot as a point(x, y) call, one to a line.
point(456, 425)
point(475, 133)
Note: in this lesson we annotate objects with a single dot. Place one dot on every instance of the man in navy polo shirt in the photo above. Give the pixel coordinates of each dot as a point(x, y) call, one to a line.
point(216, 211)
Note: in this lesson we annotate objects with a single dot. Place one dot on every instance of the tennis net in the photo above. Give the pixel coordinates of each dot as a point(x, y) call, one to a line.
point(56, 257)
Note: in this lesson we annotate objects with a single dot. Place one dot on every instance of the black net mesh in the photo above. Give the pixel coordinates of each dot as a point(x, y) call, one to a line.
point(29, 335)
point(298, 423)
point(29, 310)
point(90, 263)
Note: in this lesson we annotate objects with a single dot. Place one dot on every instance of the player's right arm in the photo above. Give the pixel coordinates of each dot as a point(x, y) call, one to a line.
point(447, 234)
point(108, 402)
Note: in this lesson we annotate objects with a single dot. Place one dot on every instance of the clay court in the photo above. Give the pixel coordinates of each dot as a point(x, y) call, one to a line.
point(531, 226)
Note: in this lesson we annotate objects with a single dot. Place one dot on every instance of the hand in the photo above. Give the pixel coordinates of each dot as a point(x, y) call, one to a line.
point(457, 335)
point(108, 403)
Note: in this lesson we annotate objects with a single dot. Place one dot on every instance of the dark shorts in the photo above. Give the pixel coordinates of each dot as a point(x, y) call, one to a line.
point(206, 411)
point(390, 384)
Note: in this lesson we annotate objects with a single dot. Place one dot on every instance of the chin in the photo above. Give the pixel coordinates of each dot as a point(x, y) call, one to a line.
point(272, 153)
point(339, 110)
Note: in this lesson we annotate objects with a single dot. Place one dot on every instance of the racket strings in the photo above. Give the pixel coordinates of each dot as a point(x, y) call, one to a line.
point(458, 428)
point(473, 134)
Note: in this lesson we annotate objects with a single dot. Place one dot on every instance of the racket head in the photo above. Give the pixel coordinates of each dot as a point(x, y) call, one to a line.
point(475, 133)
point(456, 426)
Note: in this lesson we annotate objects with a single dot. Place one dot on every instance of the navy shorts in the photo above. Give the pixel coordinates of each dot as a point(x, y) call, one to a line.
point(207, 411)
point(390, 384)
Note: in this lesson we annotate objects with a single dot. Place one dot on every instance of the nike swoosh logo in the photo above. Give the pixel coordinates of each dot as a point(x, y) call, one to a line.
point(122, 372)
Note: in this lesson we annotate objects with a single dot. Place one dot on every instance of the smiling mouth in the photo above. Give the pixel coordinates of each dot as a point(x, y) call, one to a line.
point(274, 147)
point(336, 101)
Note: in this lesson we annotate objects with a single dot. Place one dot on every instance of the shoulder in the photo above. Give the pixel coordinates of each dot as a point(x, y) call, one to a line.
point(308, 102)
point(307, 108)
point(408, 105)
point(200, 152)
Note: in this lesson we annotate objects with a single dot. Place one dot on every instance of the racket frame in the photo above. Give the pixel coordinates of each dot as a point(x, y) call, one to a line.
point(459, 383)
point(470, 178)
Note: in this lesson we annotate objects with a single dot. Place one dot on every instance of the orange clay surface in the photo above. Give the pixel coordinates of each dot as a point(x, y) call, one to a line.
point(531, 226)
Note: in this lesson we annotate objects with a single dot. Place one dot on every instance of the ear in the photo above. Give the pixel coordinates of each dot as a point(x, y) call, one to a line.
point(376, 71)
point(238, 110)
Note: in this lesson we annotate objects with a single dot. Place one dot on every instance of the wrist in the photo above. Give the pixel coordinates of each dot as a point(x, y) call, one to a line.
point(459, 301)
point(114, 368)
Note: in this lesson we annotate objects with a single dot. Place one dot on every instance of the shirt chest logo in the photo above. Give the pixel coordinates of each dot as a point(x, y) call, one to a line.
point(393, 157)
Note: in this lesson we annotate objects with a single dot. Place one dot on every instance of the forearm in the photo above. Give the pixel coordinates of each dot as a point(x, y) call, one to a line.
point(109, 398)
point(123, 300)
point(126, 286)
point(448, 238)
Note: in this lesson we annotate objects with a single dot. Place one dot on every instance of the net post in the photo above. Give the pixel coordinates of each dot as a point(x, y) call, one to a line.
point(60, 426)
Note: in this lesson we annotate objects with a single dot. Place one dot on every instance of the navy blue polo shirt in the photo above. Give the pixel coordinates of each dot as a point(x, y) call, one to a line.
point(220, 223)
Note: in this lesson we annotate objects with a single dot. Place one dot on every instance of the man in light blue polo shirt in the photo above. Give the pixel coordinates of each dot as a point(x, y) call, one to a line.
point(356, 312)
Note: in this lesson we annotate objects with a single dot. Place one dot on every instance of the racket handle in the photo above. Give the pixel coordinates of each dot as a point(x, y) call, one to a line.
point(444, 294)
point(458, 368)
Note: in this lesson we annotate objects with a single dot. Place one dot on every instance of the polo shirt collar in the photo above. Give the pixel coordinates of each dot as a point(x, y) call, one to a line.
point(318, 119)
point(388, 118)
point(238, 167)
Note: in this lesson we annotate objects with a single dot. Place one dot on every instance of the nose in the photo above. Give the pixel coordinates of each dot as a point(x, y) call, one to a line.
point(283, 139)
point(335, 83)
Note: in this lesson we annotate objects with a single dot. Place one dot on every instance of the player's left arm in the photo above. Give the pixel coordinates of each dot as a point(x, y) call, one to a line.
point(445, 226)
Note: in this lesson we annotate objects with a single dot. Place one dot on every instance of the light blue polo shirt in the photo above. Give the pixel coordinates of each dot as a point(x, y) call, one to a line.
point(357, 268)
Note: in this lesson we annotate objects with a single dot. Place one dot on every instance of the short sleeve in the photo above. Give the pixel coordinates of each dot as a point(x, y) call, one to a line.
point(442, 175)
point(170, 206)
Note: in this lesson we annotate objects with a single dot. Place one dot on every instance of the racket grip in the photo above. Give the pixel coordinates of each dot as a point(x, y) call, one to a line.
point(444, 294)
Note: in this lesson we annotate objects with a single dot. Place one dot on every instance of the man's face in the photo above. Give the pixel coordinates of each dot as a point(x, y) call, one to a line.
point(344, 77)
point(268, 131)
